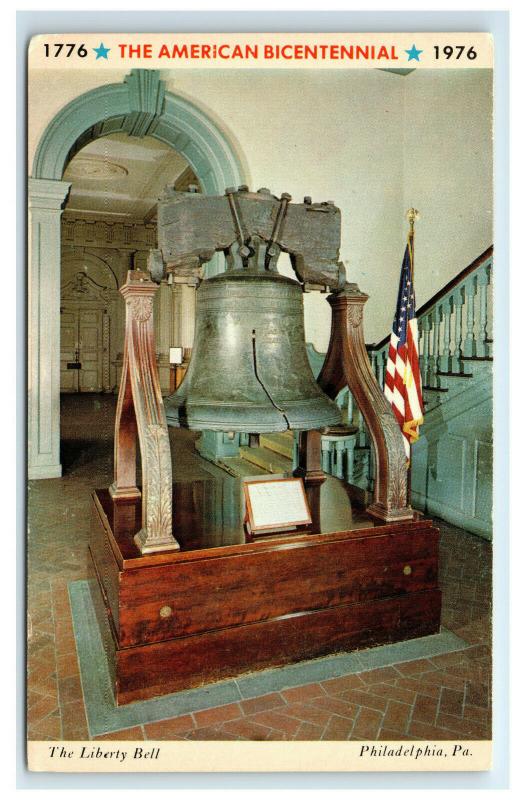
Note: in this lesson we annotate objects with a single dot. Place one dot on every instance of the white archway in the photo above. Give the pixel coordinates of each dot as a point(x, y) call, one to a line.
point(139, 106)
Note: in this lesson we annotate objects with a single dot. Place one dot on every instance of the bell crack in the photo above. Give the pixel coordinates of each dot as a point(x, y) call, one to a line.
point(262, 384)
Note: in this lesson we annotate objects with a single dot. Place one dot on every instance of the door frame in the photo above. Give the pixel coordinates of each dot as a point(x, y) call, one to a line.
point(81, 292)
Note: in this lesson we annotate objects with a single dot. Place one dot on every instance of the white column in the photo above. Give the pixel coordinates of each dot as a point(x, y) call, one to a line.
point(176, 318)
point(183, 302)
point(165, 313)
point(187, 304)
point(46, 200)
point(164, 308)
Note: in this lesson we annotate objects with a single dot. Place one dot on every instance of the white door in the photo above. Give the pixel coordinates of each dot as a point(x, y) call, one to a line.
point(91, 350)
point(81, 349)
point(69, 350)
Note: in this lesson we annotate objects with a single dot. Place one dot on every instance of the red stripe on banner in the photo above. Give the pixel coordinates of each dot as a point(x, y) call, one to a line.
point(407, 410)
point(397, 414)
point(389, 378)
point(413, 357)
point(398, 382)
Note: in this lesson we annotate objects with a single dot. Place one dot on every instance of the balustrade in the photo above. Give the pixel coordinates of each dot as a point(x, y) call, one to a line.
point(482, 342)
point(454, 328)
point(470, 289)
point(436, 317)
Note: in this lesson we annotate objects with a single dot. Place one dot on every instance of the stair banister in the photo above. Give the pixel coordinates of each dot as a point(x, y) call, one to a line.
point(454, 326)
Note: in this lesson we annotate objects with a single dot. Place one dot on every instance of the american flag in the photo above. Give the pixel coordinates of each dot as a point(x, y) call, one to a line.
point(403, 378)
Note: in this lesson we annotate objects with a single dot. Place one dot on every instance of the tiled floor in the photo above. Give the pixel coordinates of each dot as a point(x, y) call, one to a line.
point(443, 697)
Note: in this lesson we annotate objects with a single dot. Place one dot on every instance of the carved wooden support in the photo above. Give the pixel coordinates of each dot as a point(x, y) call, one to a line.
point(347, 364)
point(140, 413)
point(309, 458)
point(309, 468)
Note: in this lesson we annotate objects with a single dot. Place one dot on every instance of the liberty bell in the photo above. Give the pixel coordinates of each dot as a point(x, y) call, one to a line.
point(249, 371)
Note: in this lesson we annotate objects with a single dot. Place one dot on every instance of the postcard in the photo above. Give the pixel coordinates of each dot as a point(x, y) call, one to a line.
point(253, 256)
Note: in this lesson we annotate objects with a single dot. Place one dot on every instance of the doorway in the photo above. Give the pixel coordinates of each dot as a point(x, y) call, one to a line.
point(108, 227)
point(140, 106)
point(84, 351)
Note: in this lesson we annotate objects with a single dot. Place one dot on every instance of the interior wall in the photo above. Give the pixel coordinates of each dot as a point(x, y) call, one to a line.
point(448, 171)
point(374, 142)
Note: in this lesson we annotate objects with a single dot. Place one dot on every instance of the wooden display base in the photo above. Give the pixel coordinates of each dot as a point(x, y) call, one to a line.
point(181, 619)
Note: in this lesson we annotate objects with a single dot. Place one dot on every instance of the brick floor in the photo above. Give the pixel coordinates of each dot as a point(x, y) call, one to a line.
point(444, 697)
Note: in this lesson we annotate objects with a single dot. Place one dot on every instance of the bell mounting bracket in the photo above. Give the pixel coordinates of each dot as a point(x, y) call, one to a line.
point(191, 228)
point(140, 417)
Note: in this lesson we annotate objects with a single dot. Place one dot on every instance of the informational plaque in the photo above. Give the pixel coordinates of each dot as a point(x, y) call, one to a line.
point(276, 505)
point(175, 355)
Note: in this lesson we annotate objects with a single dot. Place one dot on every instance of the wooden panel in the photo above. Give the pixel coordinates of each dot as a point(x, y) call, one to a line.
point(196, 544)
point(90, 346)
point(178, 664)
point(68, 345)
point(483, 484)
point(237, 590)
point(453, 464)
point(248, 606)
point(104, 619)
point(105, 565)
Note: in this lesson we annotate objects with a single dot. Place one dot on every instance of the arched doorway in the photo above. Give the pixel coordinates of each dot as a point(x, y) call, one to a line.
point(108, 226)
point(140, 106)
point(89, 300)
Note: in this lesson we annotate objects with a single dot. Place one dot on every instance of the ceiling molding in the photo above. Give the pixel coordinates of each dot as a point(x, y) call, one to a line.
point(123, 175)
point(151, 215)
point(161, 114)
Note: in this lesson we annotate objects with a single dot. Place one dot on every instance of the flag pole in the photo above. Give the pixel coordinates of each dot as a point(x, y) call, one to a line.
point(411, 215)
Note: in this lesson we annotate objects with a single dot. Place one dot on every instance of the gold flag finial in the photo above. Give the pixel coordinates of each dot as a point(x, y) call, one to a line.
point(412, 215)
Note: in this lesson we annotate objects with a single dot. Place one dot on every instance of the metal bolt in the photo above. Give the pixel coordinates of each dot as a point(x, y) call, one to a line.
point(165, 612)
point(407, 570)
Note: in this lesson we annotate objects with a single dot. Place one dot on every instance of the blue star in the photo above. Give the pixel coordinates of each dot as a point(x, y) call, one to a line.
point(102, 51)
point(413, 53)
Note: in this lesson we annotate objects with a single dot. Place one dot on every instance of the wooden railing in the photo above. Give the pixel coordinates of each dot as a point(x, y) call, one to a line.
point(454, 325)
point(455, 329)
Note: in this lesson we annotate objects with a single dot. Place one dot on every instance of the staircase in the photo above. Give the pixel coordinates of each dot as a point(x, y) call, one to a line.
point(452, 461)
point(274, 455)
